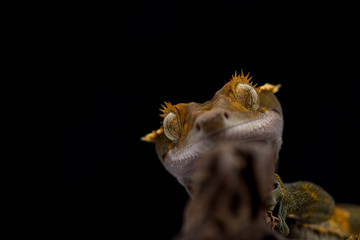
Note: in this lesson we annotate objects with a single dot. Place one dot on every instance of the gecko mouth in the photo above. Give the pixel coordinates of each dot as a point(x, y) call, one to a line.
point(267, 129)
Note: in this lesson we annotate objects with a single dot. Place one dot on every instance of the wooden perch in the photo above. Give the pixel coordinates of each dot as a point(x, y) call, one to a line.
point(232, 187)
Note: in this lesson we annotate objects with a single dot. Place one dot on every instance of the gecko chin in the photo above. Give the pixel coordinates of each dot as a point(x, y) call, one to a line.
point(266, 129)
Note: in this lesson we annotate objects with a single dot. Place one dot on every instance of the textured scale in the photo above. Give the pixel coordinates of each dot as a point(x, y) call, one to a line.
point(306, 211)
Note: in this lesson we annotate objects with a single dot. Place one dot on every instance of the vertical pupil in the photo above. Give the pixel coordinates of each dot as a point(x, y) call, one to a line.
point(245, 95)
point(168, 128)
point(251, 100)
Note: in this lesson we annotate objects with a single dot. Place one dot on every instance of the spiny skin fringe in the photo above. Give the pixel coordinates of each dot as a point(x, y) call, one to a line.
point(242, 74)
point(241, 77)
point(166, 109)
point(245, 79)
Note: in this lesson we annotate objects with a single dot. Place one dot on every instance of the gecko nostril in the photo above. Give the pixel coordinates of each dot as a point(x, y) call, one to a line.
point(226, 115)
point(197, 127)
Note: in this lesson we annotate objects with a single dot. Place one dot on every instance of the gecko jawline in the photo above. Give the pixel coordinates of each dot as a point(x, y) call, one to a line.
point(265, 129)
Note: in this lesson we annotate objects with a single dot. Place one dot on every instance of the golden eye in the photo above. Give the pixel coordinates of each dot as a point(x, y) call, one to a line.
point(171, 127)
point(247, 95)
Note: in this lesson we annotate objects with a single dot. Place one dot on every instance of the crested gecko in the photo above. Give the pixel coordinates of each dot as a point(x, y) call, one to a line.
point(242, 112)
point(238, 112)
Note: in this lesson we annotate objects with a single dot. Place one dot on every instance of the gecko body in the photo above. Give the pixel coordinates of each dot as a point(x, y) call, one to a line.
point(306, 211)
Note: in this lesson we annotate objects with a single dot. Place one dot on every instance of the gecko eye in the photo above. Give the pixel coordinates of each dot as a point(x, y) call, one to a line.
point(248, 96)
point(171, 127)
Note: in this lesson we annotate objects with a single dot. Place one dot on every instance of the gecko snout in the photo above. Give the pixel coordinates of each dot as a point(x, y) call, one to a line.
point(212, 121)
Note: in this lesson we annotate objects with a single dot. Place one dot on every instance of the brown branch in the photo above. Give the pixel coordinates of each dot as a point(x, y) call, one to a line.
point(232, 188)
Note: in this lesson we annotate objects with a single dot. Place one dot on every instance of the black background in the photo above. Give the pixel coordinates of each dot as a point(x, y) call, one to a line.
point(113, 67)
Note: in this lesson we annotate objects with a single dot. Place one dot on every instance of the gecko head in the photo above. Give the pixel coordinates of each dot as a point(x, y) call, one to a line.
point(238, 112)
